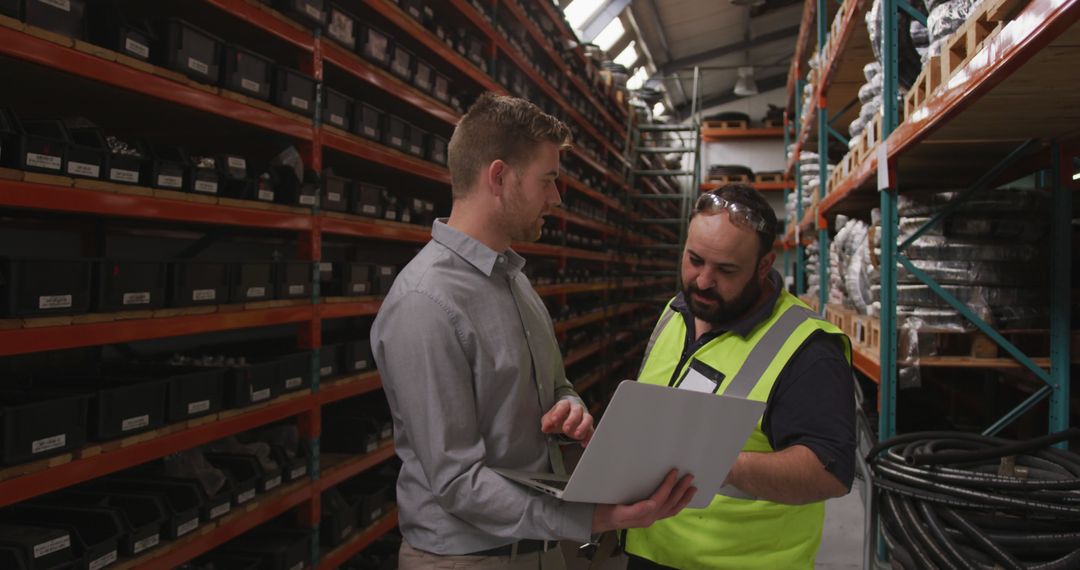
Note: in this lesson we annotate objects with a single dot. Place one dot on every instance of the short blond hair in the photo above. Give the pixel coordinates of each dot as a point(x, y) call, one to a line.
point(498, 127)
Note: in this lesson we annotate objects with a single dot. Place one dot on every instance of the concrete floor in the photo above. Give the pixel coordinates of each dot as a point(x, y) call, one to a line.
point(841, 544)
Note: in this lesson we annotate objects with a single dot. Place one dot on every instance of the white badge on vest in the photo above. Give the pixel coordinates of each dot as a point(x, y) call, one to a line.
point(700, 377)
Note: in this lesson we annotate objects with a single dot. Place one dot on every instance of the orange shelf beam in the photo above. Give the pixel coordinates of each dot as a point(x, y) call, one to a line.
point(357, 226)
point(259, 17)
point(359, 307)
point(721, 135)
point(333, 475)
point(362, 540)
point(374, 152)
point(348, 387)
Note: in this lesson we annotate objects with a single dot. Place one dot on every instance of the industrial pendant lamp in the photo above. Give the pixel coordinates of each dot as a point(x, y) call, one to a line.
point(745, 85)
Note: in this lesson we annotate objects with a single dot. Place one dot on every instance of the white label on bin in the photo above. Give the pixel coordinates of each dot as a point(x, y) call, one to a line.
point(170, 181)
point(291, 383)
point(84, 169)
point(359, 288)
point(390, 214)
point(386, 433)
point(346, 531)
point(272, 483)
point(205, 186)
point(326, 370)
point(204, 294)
point(337, 120)
point(103, 561)
point(54, 545)
point(416, 149)
point(236, 162)
point(249, 85)
point(371, 447)
point(333, 196)
point(376, 513)
point(266, 195)
point(48, 443)
point(386, 270)
point(145, 544)
point(298, 472)
point(299, 103)
point(43, 161)
point(370, 131)
point(360, 364)
point(313, 11)
point(135, 422)
point(196, 407)
point(296, 289)
point(54, 302)
point(121, 175)
point(64, 5)
point(245, 496)
point(219, 510)
point(369, 209)
point(326, 266)
point(297, 566)
point(136, 48)
point(260, 395)
point(137, 298)
point(307, 200)
point(395, 141)
point(255, 292)
point(187, 527)
point(198, 66)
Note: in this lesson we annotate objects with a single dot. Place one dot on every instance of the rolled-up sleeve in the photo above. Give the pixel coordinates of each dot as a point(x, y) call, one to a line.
point(421, 350)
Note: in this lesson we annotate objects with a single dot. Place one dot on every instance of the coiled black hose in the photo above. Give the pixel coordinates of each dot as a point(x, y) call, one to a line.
point(966, 501)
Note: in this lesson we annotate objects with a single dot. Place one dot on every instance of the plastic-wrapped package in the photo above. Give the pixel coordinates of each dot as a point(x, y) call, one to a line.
point(945, 18)
point(937, 248)
point(1002, 200)
point(869, 91)
point(871, 70)
point(854, 130)
point(972, 226)
point(918, 295)
point(920, 34)
point(191, 464)
point(974, 273)
point(870, 110)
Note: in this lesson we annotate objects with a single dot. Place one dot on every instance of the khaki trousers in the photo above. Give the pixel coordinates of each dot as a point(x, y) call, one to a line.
point(410, 558)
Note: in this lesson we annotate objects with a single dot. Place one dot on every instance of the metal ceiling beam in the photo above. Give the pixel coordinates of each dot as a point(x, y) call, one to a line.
point(601, 18)
point(765, 84)
point(691, 60)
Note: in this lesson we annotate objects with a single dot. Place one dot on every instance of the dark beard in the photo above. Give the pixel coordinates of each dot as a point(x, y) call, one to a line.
point(722, 311)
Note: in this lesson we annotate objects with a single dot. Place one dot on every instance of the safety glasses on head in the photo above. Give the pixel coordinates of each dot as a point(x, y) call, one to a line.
point(709, 203)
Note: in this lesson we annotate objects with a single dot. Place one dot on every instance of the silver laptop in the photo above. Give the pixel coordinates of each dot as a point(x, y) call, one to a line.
point(646, 431)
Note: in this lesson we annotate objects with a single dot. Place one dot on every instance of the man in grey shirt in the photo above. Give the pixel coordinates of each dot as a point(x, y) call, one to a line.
point(473, 372)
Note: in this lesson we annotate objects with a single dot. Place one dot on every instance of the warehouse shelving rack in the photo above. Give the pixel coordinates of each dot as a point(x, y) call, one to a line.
point(1001, 114)
point(58, 194)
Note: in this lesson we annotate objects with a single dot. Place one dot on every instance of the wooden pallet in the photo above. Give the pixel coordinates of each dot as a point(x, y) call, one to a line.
point(727, 125)
point(974, 344)
point(771, 124)
point(773, 178)
point(924, 87)
point(729, 179)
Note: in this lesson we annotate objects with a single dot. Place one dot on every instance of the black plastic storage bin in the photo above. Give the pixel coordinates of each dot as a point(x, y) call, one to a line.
point(42, 287)
point(205, 177)
point(424, 76)
point(335, 192)
point(376, 45)
point(217, 559)
point(108, 27)
point(330, 360)
point(357, 355)
point(293, 280)
point(67, 17)
point(355, 279)
point(441, 88)
point(437, 147)
point(168, 167)
point(141, 516)
point(368, 121)
point(401, 64)
point(129, 161)
point(235, 181)
point(247, 72)
point(370, 494)
point(194, 283)
point(95, 532)
point(337, 109)
point(266, 478)
point(416, 144)
point(179, 518)
point(119, 407)
point(295, 371)
point(189, 50)
point(278, 548)
point(192, 391)
point(294, 91)
point(252, 383)
point(244, 476)
point(396, 134)
point(292, 192)
point(342, 26)
point(34, 425)
point(185, 499)
point(368, 200)
point(338, 519)
point(308, 12)
point(10, 135)
point(41, 548)
point(342, 433)
point(43, 146)
point(384, 278)
point(130, 285)
point(251, 281)
point(88, 155)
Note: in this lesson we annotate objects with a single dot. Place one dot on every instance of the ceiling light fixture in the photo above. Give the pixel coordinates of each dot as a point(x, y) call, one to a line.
point(745, 85)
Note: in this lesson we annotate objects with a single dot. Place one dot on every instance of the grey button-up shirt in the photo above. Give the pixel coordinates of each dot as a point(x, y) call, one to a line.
point(470, 364)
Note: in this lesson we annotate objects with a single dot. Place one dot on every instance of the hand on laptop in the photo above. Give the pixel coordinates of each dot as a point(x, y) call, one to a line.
point(569, 419)
point(666, 502)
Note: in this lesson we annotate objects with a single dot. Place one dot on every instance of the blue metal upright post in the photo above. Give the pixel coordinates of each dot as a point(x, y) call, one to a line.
point(823, 158)
point(787, 256)
point(1060, 273)
point(800, 260)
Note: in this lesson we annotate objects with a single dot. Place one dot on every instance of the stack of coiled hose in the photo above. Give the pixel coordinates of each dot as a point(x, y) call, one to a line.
point(960, 500)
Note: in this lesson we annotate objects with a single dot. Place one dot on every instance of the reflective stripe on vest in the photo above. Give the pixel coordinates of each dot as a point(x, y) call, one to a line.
point(736, 531)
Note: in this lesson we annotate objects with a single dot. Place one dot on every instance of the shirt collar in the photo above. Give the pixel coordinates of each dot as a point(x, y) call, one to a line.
point(745, 324)
point(480, 256)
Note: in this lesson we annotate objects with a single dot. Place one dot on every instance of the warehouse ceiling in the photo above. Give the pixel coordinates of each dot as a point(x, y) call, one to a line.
point(671, 37)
